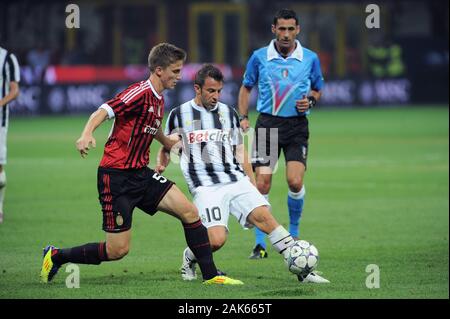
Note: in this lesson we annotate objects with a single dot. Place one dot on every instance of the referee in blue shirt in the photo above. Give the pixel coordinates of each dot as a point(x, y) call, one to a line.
point(289, 81)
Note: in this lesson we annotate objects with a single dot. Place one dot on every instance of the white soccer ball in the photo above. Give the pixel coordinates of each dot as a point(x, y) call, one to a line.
point(302, 257)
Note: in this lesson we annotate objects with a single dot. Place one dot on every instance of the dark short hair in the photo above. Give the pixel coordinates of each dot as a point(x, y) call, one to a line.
point(163, 55)
point(285, 14)
point(208, 70)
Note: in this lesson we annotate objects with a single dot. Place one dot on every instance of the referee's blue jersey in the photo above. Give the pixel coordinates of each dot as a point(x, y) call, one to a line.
point(282, 81)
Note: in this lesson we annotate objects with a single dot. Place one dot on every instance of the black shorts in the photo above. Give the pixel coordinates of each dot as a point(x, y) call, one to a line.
point(292, 137)
point(120, 191)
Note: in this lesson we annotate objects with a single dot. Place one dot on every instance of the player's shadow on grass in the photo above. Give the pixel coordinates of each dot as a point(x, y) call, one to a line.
point(122, 278)
point(289, 292)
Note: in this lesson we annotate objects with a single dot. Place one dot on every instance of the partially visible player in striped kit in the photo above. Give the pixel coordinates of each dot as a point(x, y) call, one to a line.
point(124, 180)
point(9, 90)
point(215, 165)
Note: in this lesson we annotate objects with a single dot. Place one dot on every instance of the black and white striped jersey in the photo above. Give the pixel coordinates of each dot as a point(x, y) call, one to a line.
point(9, 71)
point(209, 140)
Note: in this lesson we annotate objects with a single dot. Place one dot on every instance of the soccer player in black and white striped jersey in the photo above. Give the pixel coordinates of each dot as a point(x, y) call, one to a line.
point(9, 90)
point(217, 169)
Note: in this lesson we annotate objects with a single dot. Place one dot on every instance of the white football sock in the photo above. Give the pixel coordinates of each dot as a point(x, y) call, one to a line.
point(300, 195)
point(281, 240)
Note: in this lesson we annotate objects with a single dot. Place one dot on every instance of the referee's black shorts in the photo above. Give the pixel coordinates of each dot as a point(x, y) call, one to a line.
point(274, 133)
point(120, 191)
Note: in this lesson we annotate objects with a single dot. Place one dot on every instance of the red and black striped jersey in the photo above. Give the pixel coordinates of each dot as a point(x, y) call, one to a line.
point(138, 112)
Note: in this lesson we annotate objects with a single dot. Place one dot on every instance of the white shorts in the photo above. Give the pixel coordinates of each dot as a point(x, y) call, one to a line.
point(216, 203)
point(3, 134)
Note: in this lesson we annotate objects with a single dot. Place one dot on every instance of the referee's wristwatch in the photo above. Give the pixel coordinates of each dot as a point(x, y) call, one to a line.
point(243, 117)
point(312, 101)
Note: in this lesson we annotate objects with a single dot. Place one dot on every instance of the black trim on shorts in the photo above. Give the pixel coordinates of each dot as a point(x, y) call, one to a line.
point(164, 193)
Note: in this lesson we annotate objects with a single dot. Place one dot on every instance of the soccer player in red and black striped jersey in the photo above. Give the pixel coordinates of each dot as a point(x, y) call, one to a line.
point(124, 180)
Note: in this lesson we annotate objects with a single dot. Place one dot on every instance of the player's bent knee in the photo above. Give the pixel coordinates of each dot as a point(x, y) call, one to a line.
point(217, 236)
point(216, 245)
point(260, 215)
point(116, 252)
point(217, 241)
point(262, 218)
point(263, 186)
point(189, 214)
point(295, 184)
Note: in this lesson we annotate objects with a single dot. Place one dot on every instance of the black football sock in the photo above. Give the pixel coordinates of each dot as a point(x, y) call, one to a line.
point(198, 241)
point(93, 254)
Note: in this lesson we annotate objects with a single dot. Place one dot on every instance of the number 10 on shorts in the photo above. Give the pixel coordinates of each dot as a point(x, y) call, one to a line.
point(214, 214)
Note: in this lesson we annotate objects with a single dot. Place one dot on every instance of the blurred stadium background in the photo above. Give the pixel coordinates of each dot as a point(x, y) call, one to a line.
point(377, 172)
point(66, 71)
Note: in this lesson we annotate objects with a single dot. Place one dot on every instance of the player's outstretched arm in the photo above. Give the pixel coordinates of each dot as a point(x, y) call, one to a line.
point(13, 93)
point(163, 157)
point(87, 140)
point(162, 160)
point(243, 100)
point(166, 141)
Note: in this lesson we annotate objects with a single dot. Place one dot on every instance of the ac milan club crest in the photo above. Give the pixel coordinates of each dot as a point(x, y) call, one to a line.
point(119, 220)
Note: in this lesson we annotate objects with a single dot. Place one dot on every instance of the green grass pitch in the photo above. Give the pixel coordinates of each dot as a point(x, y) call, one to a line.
point(377, 193)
